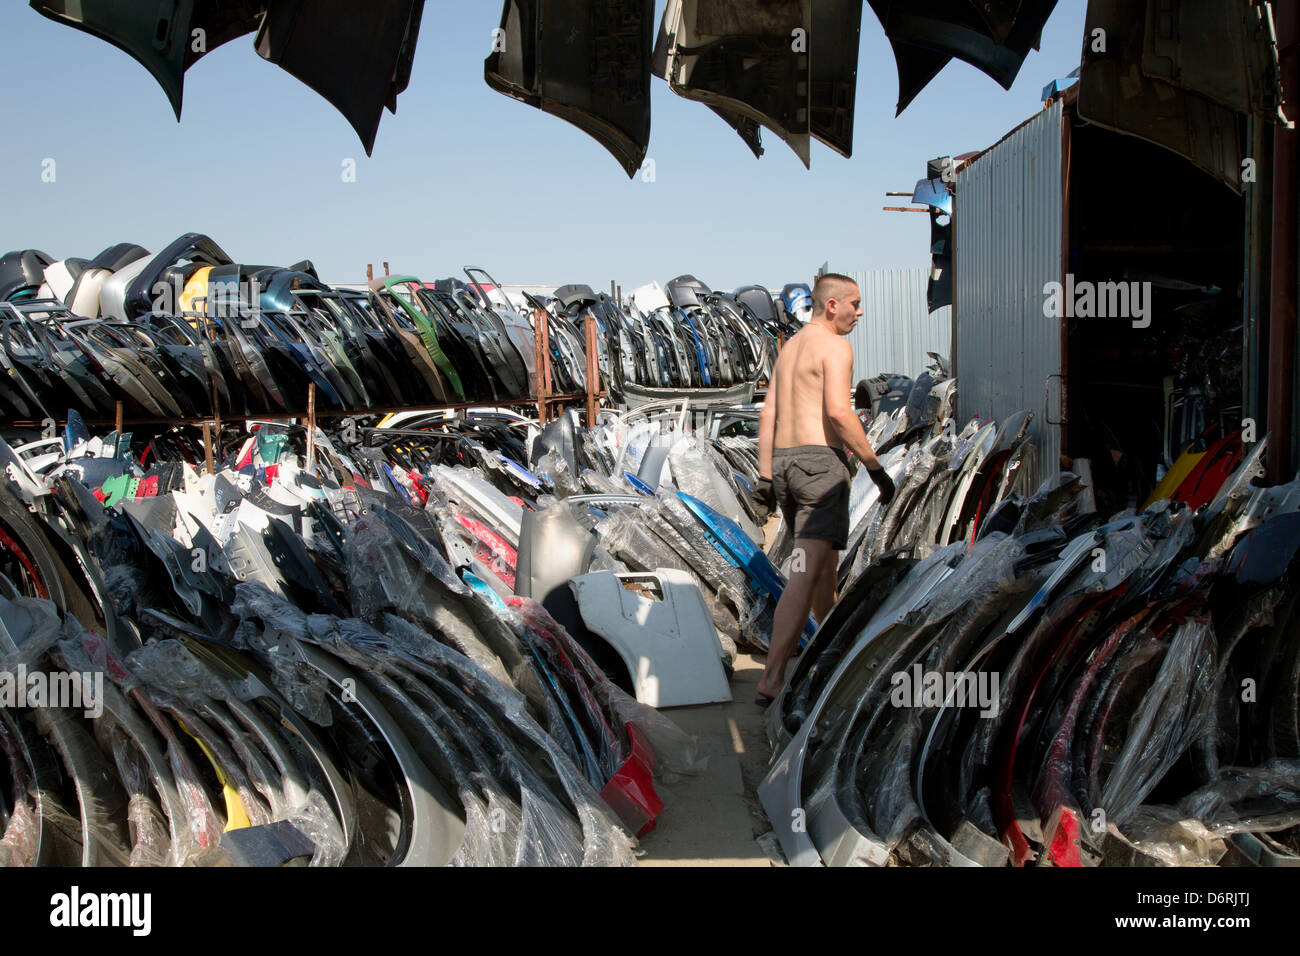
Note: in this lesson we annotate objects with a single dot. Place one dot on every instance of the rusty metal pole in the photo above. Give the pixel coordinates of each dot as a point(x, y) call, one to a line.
point(542, 347)
point(311, 426)
point(370, 271)
point(593, 371)
point(117, 417)
point(208, 459)
point(1286, 246)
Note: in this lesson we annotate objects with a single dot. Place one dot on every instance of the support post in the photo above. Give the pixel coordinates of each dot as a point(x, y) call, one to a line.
point(543, 349)
point(209, 460)
point(311, 426)
point(117, 417)
point(593, 371)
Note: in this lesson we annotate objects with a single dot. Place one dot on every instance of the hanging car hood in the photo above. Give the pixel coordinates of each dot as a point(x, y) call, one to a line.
point(1183, 77)
point(993, 36)
point(313, 40)
point(745, 61)
point(552, 70)
point(740, 59)
point(359, 62)
point(159, 36)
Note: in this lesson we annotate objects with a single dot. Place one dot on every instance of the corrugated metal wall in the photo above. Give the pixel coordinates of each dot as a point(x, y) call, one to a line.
point(896, 329)
point(1007, 246)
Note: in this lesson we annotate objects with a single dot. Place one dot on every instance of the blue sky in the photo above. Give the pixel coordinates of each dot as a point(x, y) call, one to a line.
point(463, 175)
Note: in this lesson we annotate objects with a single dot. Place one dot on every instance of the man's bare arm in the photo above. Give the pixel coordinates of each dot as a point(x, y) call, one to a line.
point(837, 374)
point(767, 429)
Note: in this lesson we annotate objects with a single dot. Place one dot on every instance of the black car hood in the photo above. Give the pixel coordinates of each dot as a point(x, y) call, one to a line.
point(552, 68)
point(159, 36)
point(993, 36)
point(358, 60)
point(749, 62)
point(358, 63)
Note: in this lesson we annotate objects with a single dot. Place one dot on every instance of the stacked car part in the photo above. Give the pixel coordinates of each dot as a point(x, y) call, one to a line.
point(187, 333)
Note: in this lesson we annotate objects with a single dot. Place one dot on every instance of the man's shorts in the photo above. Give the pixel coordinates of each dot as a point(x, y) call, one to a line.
point(811, 483)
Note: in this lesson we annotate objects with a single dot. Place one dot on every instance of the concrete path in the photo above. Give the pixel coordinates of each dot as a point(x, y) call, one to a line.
point(713, 819)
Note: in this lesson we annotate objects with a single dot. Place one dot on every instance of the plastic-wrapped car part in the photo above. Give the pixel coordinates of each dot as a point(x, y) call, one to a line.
point(553, 467)
point(160, 666)
point(917, 470)
point(492, 819)
point(1175, 711)
point(86, 652)
point(204, 829)
point(547, 834)
point(291, 795)
point(728, 582)
point(990, 566)
point(1261, 799)
point(33, 624)
point(479, 845)
point(383, 578)
point(956, 617)
point(31, 630)
point(633, 535)
point(1054, 786)
point(431, 596)
point(1164, 836)
point(20, 840)
point(696, 472)
point(149, 843)
point(541, 835)
point(675, 750)
point(1048, 506)
point(604, 842)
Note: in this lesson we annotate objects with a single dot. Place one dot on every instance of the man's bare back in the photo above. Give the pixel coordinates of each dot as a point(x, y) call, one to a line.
point(800, 383)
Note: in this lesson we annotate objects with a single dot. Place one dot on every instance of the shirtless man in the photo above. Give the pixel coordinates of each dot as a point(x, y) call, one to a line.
point(805, 425)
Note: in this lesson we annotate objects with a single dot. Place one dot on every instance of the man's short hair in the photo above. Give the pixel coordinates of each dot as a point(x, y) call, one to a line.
point(826, 288)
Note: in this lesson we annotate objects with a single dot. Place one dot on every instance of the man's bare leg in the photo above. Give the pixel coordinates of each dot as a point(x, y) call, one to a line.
point(824, 587)
point(792, 611)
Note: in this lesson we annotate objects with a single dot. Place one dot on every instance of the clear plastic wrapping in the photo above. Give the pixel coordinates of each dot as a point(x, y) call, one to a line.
point(989, 567)
point(1166, 836)
point(697, 471)
point(675, 751)
point(552, 467)
point(150, 845)
point(1261, 799)
point(18, 842)
point(291, 675)
point(605, 842)
point(32, 623)
point(383, 578)
point(316, 821)
point(1176, 710)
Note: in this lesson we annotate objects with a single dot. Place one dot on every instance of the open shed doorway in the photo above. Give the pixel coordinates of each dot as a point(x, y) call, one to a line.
point(1143, 385)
